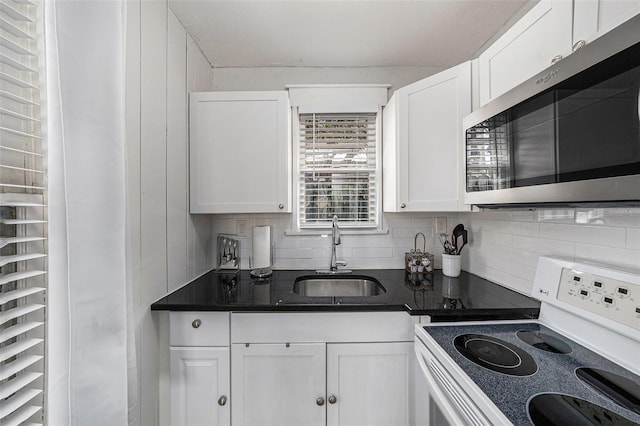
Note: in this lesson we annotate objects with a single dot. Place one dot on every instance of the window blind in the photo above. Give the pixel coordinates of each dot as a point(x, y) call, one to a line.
point(22, 215)
point(337, 164)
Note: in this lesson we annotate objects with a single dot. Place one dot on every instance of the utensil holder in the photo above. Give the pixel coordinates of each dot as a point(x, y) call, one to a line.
point(416, 260)
point(451, 264)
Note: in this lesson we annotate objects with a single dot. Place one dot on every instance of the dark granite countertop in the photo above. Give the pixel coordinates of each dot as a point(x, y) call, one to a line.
point(465, 298)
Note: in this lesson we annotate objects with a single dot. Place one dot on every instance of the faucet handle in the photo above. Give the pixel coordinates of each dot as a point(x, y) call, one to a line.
point(341, 263)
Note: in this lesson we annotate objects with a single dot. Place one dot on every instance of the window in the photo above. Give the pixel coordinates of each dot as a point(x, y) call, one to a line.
point(22, 215)
point(337, 167)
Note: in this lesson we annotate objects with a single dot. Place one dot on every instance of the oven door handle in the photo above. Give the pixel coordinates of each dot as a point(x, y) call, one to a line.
point(450, 402)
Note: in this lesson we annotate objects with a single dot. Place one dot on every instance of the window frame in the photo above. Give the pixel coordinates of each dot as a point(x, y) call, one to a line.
point(336, 109)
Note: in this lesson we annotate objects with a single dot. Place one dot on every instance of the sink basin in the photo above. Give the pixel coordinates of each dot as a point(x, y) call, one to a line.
point(348, 286)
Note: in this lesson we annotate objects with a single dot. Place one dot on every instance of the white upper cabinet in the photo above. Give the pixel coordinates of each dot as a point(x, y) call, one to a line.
point(240, 152)
point(550, 31)
point(593, 18)
point(543, 35)
point(422, 143)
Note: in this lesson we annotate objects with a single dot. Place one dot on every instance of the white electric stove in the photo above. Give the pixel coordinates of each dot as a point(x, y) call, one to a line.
point(579, 363)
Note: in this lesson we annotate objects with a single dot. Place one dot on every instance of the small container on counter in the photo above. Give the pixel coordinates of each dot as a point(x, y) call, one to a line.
point(416, 260)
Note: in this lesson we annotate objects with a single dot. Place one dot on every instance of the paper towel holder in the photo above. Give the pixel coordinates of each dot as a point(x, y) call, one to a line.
point(264, 259)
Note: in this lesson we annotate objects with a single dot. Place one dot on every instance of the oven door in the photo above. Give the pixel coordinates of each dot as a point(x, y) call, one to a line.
point(447, 403)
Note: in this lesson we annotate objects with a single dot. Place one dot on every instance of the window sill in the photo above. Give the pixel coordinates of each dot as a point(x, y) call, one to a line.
point(343, 231)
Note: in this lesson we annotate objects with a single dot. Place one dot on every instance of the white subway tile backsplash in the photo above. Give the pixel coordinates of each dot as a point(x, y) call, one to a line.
point(398, 220)
point(587, 234)
point(297, 253)
point(504, 245)
point(544, 246)
point(613, 256)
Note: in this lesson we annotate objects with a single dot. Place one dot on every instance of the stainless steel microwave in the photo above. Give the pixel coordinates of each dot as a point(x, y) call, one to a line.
point(568, 136)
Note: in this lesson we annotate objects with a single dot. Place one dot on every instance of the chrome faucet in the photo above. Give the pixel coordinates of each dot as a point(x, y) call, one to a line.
point(334, 263)
point(335, 241)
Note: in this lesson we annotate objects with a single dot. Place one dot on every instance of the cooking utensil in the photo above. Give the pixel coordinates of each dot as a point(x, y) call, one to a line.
point(456, 233)
point(465, 236)
point(446, 244)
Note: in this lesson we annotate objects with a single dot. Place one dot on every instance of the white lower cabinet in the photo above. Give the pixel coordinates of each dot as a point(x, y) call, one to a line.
point(199, 386)
point(199, 368)
point(296, 369)
point(318, 384)
point(368, 383)
point(279, 384)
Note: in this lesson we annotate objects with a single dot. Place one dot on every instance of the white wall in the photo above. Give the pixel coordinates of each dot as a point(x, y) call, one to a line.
point(168, 246)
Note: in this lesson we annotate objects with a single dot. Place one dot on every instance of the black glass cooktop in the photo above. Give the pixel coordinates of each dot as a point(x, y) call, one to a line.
point(571, 384)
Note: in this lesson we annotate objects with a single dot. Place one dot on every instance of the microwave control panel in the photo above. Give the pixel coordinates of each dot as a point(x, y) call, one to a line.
point(616, 300)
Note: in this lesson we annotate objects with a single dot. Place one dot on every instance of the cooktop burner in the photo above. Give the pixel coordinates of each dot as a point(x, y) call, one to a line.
point(550, 409)
point(495, 354)
point(621, 390)
point(544, 341)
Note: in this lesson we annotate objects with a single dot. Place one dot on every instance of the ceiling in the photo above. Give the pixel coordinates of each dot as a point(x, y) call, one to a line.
point(343, 33)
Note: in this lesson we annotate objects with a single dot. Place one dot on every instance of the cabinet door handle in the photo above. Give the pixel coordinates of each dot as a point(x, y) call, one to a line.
point(222, 401)
point(556, 58)
point(196, 323)
point(403, 205)
point(579, 44)
point(320, 401)
point(281, 206)
point(332, 399)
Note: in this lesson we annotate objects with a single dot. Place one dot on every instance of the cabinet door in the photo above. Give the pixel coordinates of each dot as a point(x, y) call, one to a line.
point(422, 144)
point(199, 386)
point(279, 384)
point(240, 157)
point(368, 383)
point(528, 47)
point(593, 18)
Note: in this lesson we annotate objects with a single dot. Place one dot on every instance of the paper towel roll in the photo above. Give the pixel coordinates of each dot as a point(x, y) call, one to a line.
point(261, 247)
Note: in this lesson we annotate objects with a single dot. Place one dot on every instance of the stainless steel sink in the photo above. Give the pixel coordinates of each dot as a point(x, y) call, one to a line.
point(349, 286)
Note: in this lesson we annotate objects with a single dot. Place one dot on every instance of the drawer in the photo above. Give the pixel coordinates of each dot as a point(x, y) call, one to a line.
point(199, 328)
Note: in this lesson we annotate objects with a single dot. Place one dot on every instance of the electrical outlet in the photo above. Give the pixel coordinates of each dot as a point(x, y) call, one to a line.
point(441, 225)
point(242, 227)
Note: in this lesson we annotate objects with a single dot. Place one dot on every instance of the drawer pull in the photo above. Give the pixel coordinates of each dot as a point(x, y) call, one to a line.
point(196, 323)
